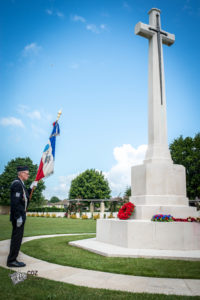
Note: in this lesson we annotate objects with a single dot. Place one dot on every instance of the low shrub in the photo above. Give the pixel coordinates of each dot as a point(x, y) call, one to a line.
point(73, 216)
point(53, 215)
point(95, 217)
point(111, 216)
point(84, 217)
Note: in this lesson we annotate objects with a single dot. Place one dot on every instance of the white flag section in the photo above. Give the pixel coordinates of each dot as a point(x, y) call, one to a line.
point(46, 167)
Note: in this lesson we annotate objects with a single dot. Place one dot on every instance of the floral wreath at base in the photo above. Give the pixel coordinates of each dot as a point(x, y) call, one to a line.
point(169, 218)
point(126, 211)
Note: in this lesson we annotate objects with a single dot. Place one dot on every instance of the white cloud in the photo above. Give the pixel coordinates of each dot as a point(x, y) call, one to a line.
point(34, 115)
point(31, 49)
point(57, 13)
point(92, 27)
point(77, 18)
point(49, 12)
point(11, 121)
point(60, 14)
point(26, 111)
point(62, 189)
point(119, 176)
point(103, 27)
point(97, 29)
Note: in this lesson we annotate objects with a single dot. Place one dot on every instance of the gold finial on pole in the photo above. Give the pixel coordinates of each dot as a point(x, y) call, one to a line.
point(59, 114)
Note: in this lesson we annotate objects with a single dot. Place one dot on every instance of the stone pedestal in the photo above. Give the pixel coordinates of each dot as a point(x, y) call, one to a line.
point(160, 188)
point(157, 188)
point(143, 234)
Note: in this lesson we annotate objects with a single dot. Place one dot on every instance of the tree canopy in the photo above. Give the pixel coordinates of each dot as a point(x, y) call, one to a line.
point(90, 184)
point(186, 152)
point(127, 192)
point(54, 199)
point(10, 173)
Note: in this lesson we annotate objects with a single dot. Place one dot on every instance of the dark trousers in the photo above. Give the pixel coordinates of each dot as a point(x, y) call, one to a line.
point(16, 240)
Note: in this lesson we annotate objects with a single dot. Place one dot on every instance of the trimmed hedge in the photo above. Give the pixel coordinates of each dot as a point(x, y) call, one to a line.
point(47, 209)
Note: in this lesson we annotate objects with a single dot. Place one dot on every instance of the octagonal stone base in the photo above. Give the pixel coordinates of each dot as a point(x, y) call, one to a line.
point(144, 234)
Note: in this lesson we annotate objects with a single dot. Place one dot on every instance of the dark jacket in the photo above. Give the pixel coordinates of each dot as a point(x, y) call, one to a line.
point(17, 204)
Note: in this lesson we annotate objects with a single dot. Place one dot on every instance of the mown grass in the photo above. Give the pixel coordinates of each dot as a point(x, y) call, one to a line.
point(42, 226)
point(36, 288)
point(57, 250)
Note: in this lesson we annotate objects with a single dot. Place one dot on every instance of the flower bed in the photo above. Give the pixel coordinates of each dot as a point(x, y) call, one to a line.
point(169, 218)
point(126, 211)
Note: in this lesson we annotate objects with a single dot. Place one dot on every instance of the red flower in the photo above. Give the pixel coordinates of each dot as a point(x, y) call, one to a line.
point(126, 211)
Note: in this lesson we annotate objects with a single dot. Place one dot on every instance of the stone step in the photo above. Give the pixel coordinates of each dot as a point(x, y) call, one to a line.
point(142, 234)
point(159, 200)
point(146, 212)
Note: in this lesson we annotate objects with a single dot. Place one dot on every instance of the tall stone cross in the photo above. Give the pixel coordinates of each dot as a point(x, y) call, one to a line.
point(157, 124)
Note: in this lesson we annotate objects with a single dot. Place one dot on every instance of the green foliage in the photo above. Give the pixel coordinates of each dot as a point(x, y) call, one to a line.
point(90, 184)
point(186, 152)
point(10, 173)
point(54, 199)
point(47, 209)
point(127, 192)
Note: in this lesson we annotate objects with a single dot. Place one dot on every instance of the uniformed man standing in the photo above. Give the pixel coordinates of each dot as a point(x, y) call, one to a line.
point(19, 202)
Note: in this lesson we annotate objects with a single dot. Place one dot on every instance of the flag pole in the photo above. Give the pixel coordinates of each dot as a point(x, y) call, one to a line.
point(58, 117)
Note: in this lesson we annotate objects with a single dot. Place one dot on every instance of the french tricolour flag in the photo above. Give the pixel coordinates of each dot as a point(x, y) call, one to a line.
point(46, 166)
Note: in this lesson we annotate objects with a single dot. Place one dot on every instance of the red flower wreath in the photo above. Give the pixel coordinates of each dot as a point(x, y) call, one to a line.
point(126, 211)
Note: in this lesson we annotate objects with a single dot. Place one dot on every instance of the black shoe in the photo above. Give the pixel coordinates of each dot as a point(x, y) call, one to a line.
point(15, 264)
point(21, 263)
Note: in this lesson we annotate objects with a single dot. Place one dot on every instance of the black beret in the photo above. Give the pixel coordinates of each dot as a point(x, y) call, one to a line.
point(22, 168)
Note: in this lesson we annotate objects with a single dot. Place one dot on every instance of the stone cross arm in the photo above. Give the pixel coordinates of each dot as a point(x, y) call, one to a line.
point(144, 30)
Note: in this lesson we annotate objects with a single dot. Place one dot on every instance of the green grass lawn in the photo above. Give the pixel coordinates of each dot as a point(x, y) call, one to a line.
point(36, 288)
point(42, 226)
point(57, 250)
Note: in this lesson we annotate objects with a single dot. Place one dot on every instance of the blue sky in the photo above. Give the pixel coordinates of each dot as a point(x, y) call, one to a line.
point(83, 57)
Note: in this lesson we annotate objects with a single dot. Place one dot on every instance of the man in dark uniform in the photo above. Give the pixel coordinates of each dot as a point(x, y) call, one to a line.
point(19, 202)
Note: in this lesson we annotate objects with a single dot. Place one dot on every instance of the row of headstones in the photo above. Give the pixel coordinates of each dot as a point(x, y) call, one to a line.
point(89, 215)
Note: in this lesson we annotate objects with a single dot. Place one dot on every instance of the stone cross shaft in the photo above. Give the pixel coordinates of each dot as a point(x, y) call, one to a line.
point(157, 123)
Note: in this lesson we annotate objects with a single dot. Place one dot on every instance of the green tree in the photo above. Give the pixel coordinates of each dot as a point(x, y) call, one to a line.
point(10, 173)
point(54, 199)
point(90, 184)
point(186, 152)
point(127, 192)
